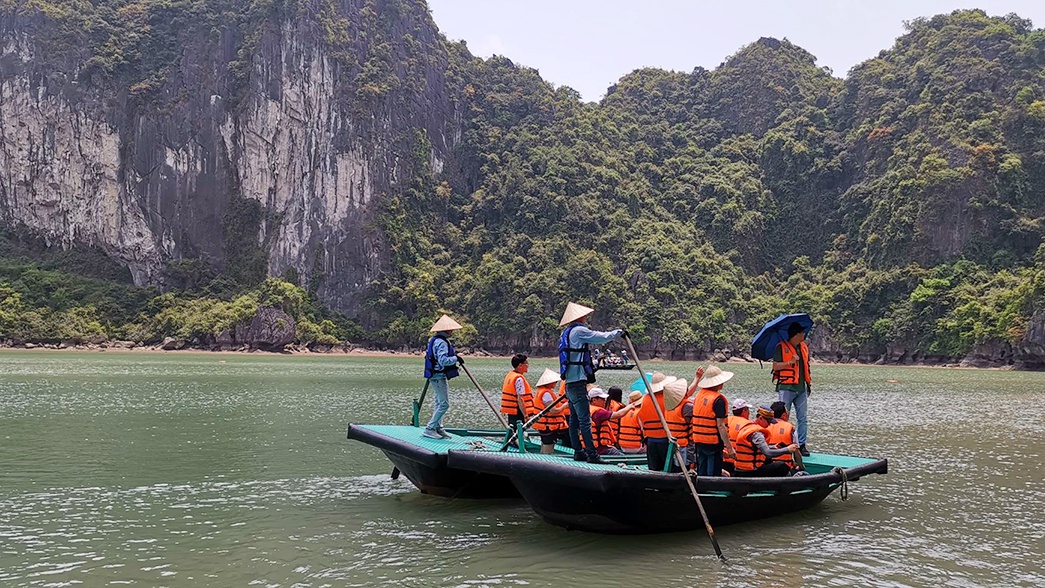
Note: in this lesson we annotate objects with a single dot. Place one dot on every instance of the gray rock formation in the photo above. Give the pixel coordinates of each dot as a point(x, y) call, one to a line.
point(271, 328)
point(1029, 353)
point(289, 163)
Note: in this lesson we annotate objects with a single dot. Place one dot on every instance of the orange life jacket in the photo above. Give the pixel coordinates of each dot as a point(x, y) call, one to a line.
point(733, 424)
point(748, 456)
point(789, 375)
point(781, 432)
point(510, 400)
point(703, 428)
point(630, 433)
point(651, 426)
point(614, 406)
point(602, 432)
point(549, 422)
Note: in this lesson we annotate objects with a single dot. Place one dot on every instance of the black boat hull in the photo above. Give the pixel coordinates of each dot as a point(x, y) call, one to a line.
point(648, 510)
point(609, 501)
point(429, 471)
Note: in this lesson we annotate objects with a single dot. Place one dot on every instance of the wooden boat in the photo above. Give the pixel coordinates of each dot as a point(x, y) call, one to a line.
point(617, 498)
point(621, 496)
point(623, 366)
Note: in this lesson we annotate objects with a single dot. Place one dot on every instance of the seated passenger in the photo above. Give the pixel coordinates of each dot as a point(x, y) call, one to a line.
point(741, 416)
point(615, 403)
point(601, 417)
point(553, 426)
point(630, 438)
point(754, 455)
point(782, 433)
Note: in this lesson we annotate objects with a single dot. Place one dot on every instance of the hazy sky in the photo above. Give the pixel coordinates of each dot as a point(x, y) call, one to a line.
point(589, 44)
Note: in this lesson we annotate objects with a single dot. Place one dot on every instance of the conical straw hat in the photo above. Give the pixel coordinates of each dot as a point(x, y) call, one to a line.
point(548, 377)
point(573, 312)
point(445, 323)
point(713, 376)
point(674, 393)
point(659, 381)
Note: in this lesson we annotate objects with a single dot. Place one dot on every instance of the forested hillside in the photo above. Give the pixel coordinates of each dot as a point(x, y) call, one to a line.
point(902, 205)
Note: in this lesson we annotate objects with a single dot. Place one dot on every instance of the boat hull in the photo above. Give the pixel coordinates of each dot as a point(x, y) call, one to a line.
point(609, 500)
point(428, 469)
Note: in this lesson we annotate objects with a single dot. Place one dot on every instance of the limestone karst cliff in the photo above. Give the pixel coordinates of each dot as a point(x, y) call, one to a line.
point(260, 147)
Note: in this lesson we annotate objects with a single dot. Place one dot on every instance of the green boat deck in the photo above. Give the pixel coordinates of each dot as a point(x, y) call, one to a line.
point(491, 440)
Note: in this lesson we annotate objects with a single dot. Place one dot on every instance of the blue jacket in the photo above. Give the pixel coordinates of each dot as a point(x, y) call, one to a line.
point(440, 358)
point(581, 335)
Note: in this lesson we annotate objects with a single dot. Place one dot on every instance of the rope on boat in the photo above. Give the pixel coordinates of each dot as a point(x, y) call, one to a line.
point(844, 486)
point(476, 445)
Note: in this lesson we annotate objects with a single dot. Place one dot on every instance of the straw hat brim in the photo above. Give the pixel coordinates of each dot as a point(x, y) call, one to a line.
point(445, 323)
point(574, 312)
point(548, 377)
point(659, 386)
point(712, 381)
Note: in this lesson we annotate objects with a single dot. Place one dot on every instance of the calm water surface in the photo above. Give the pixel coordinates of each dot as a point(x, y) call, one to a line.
point(191, 470)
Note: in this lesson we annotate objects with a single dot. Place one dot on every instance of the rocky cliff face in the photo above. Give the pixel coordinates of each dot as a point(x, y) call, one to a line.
point(280, 167)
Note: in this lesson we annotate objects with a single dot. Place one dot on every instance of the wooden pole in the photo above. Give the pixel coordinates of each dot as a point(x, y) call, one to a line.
point(500, 417)
point(678, 451)
point(419, 402)
point(533, 420)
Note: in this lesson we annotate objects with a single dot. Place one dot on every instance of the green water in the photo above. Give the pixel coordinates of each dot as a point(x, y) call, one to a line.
point(193, 470)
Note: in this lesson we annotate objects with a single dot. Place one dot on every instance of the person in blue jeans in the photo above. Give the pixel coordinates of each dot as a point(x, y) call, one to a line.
point(440, 366)
point(577, 370)
point(794, 386)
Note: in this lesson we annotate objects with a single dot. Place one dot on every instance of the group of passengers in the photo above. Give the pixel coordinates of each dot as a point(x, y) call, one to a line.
point(715, 438)
point(675, 418)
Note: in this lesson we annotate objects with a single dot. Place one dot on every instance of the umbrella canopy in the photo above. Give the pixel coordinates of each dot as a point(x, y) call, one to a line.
point(775, 331)
point(638, 385)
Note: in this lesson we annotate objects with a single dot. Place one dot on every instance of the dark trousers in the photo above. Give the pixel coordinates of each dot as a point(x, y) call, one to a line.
point(657, 456)
point(580, 418)
point(770, 469)
point(512, 420)
point(709, 459)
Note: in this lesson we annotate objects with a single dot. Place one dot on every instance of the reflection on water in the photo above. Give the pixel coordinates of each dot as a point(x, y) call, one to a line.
point(154, 469)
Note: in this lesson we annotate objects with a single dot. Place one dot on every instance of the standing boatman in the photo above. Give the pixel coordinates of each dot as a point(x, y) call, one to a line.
point(440, 366)
point(577, 370)
point(793, 384)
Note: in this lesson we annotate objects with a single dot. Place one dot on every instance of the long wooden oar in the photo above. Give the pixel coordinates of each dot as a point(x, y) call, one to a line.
point(678, 451)
point(533, 419)
point(416, 418)
point(497, 412)
point(424, 391)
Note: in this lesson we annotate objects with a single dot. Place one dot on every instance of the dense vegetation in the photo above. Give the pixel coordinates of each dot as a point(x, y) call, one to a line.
point(81, 296)
point(902, 206)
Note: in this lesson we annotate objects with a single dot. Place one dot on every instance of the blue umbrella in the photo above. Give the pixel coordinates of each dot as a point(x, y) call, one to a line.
point(775, 331)
point(638, 386)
